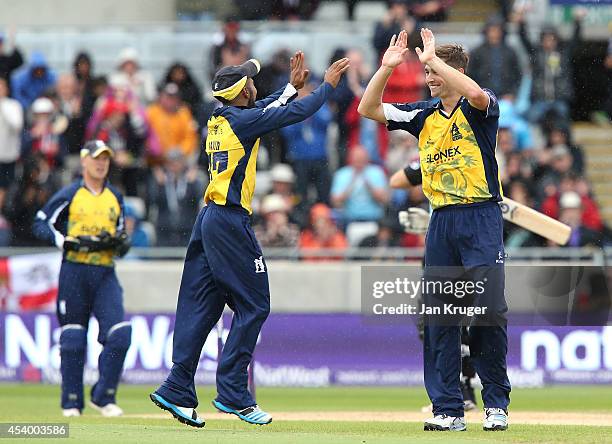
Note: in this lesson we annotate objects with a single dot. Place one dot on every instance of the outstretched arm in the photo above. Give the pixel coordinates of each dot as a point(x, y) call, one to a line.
point(371, 105)
point(454, 78)
point(260, 121)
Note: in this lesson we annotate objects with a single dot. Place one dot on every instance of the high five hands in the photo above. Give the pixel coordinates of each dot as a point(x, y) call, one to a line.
point(429, 46)
point(299, 74)
point(397, 52)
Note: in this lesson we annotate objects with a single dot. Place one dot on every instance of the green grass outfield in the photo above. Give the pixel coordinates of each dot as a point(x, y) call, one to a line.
point(40, 403)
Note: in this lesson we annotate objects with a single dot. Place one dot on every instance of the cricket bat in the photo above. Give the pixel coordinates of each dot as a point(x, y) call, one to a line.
point(534, 221)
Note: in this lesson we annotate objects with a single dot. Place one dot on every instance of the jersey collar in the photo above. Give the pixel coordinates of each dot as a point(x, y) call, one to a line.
point(440, 108)
point(104, 186)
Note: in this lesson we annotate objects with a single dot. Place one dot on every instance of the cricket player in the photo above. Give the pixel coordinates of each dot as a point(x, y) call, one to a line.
point(416, 220)
point(85, 220)
point(224, 262)
point(457, 132)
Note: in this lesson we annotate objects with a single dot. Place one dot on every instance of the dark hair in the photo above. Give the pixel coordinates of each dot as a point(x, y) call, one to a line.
point(454, 55)
point(337, 54)
point(570, 175)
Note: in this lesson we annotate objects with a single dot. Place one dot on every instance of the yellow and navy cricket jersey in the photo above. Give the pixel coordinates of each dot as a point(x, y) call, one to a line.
point(457, 151)
point(233, 141)
point(76, 211)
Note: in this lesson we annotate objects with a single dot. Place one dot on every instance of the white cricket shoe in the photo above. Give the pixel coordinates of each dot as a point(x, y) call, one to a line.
point(109, 410)
point(445, 423)
point(71, 412)
point(495, 419)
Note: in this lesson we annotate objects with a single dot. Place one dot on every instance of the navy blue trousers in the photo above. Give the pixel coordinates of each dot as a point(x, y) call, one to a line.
point(467, 238)
point(85, 290)
point(224, 265)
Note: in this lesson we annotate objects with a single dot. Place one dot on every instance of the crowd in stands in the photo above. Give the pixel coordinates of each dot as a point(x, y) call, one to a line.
point(322, 183)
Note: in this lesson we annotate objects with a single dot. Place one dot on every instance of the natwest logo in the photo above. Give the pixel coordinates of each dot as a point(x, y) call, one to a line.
point(580, 349)
point(443, 155)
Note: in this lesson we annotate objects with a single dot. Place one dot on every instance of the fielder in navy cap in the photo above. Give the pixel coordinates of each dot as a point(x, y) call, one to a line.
point(225, 264)
point(230, 80)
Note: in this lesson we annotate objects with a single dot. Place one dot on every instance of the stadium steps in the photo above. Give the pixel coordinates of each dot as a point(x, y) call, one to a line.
point(472, 11)
point(371, 11)
point(597, 144)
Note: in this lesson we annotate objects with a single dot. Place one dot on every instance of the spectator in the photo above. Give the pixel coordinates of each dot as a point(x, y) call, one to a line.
point(360, 189)
point(509, 118)
point(27, 196)
point(130, 73)
point(559, 135)
point(551, 88)
point(554, 163)
point(608, 66)
point(571, 214)
point(276, 230)
point(70, 104)
point(11, 124)
point(189, 90)
point(494, 64)
point(86, 82)
point(271, 78)
point(176, 193)
point(273, 75)
point(10, 56)
point(360, 131)
point(350, 9)
point(45, 135)
point(515, 236)
point(229, 50)
point(431, 10)
point(384, 238)
point(283, 179)
point(172, 122)
point(307, 146)
point(591, 217)
point(133, 227)
point(83, 72)
point(123, 128)
point(99, 87)
point(393, 22)
point(31, 81)
point(249, 9)
point(294, 9)
point(340, 100)
point(322, 234)
point(403, 149)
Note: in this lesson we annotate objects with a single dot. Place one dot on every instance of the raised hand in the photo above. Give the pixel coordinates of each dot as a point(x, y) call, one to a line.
point(429, 46)
point(335, 71)
point(397, 51)
point(299, 74)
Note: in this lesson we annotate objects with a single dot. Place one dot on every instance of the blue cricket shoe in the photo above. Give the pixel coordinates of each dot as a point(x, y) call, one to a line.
point(185, 415)
point(252, 415)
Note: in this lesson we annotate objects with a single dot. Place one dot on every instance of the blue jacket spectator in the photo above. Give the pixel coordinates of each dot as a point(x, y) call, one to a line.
point(307, 148)
point(360, 189)
point(31, 81)
point(510, 118)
